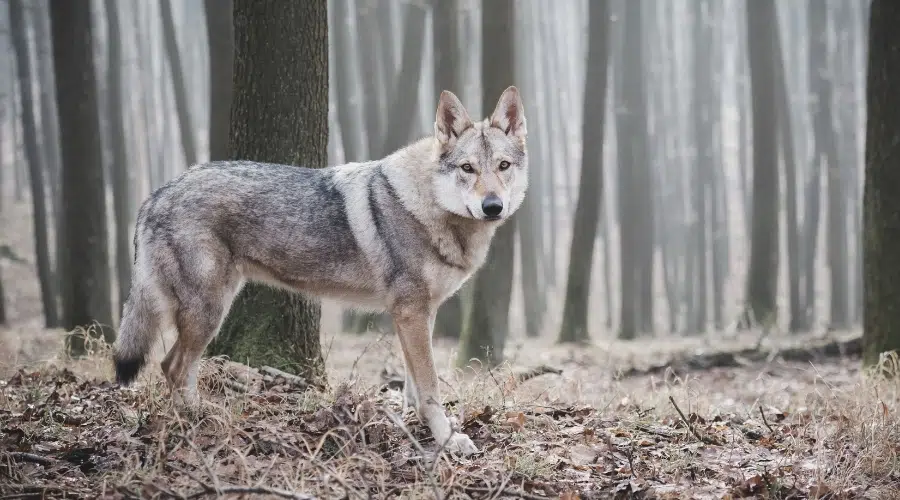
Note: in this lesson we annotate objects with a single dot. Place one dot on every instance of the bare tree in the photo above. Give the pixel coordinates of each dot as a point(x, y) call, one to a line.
point(220, 37)
point(635, 202)
point(86, 298)
point(762, 283)
point(484, 335)
point(179, 86)
point(36, 168)
point(881, 328)
point(120, 164)
point(280, 115)
point(590, 187)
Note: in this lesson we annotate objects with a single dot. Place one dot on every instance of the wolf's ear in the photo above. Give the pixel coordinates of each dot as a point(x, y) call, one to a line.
point(451, 120)
point(509, 115)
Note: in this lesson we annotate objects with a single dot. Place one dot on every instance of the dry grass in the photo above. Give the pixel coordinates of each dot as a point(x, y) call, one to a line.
point(769, 431)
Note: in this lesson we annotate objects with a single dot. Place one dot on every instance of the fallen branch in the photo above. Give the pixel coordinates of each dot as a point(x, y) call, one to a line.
point(731, 359)
point(208, 489)
point(537, 372)
point(276, 373)
point(20, 456)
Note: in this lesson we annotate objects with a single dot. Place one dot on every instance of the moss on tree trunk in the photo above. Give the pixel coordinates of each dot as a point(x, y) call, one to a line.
point(881, 247)
point(279, 114)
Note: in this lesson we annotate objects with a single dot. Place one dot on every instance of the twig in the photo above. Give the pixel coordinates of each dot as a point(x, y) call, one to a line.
point(537, 372)
point(688, 424)
point(763, 414)
point(275, 372)
point(20, 456)
point(239, 490)
point(415, 442)
point(505, 491)
point(234, 385)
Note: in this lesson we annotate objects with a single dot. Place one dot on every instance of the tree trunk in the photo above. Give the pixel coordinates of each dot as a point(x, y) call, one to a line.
point(36, 168)
point(703, 137)
point(347, 81)
point(881, 324)
point(786, 135)
point(374, 88)
point(635, 202)
point(220, 37)
point(590, 187)
point(762, 275)
point(447, 76)
point(402, 108)
point(120, 164)
point(484, 336)
point(280, 115)
point(86, 298)
point(183, 108)
point(50, 132)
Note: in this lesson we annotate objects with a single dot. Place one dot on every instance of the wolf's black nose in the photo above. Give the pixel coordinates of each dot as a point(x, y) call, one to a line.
point(492, 205)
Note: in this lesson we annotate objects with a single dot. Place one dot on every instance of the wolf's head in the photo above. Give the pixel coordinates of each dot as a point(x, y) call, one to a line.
point(482, 167)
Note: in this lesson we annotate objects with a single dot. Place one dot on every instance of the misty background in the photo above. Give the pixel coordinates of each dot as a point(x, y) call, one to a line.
point(655, 207)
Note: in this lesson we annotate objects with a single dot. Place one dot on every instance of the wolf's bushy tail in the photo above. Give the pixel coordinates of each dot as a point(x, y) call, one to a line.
point(137, 334)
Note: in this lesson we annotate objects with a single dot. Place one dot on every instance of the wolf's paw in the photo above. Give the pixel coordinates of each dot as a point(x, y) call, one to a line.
point(460, 444)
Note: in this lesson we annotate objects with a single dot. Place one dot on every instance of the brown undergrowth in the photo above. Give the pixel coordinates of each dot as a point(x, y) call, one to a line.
point(65, 434)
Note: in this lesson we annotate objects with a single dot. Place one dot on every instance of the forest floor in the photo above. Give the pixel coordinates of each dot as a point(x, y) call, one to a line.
point(771, 429)
point(615, 423)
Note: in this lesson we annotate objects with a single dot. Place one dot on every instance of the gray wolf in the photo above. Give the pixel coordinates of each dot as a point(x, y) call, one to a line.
point(400, 234)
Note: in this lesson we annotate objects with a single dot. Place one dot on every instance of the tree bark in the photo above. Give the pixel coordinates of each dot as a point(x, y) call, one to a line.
point(280, 114)
point(484, 336)
point(881, 322)
point(590, 188)
point(120, 164)
point(183, 109)
point(220, 37)
point(86, 298)
point(36, 167)
point(762, 275)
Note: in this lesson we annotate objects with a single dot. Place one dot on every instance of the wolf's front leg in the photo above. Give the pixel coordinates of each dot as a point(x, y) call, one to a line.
point(412, 325)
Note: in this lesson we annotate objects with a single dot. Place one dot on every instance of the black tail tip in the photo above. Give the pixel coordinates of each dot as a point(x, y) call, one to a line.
point(127, 369)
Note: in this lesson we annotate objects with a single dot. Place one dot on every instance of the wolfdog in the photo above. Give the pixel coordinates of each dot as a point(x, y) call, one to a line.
point(399, 234)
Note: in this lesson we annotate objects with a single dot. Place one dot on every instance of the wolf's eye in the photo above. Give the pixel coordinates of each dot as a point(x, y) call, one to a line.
point(504, 165)
point(467, 168)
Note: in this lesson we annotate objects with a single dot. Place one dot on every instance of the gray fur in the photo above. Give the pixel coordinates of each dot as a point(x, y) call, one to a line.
point(400, 234)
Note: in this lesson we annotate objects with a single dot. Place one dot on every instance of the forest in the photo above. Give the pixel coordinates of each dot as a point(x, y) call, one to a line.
point(696, 299)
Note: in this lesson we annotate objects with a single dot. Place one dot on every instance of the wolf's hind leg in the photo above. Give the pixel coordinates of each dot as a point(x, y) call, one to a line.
point(198, 320)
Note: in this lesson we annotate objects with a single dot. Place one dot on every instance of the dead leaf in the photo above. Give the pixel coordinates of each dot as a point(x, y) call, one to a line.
point(515, 419)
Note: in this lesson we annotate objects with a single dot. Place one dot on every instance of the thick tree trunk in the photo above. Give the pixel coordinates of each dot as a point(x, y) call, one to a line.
point(590, 187)
point(36, 168)
point(280, 114)
point(374, 88)
point(484, 336)
point(179, 86)
point(762, 275)
point(120, 164)
point(881, 325)
point(220, 37)
point(86, 298)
